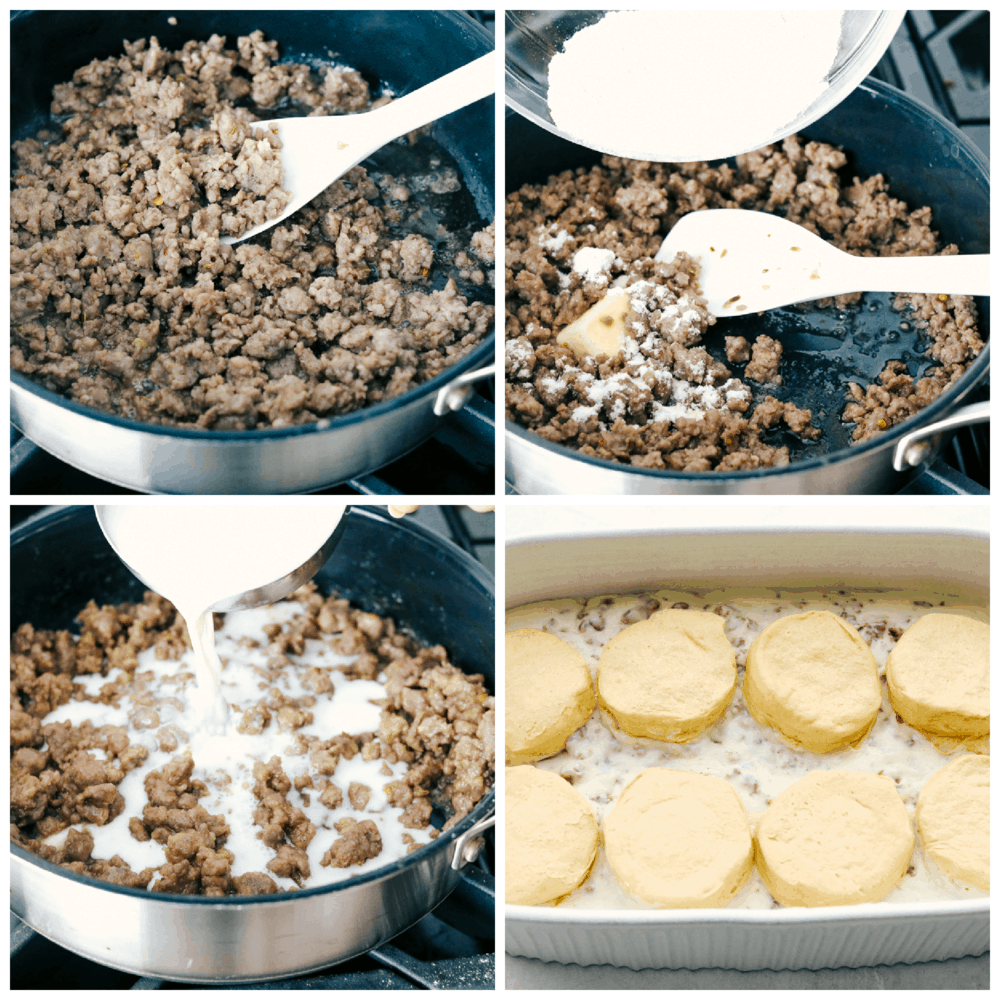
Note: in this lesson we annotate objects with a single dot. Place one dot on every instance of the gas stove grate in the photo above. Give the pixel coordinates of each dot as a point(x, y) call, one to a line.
point(942, 58)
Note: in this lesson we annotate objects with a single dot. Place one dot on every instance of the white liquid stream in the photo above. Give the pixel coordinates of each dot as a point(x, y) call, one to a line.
point(197, 556)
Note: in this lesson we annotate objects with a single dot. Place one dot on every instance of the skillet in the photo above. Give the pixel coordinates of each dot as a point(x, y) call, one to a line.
point(433, 589)
point(400, 49)
point(926, 161)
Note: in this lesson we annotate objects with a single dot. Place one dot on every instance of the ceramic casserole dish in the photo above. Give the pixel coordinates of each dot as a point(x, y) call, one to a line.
point(585, 558)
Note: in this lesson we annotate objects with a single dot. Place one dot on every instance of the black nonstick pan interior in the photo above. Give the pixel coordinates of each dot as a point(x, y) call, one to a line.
point(925, 162)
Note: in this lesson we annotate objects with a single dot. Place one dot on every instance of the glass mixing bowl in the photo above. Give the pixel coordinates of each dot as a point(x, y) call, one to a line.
point(533, 37)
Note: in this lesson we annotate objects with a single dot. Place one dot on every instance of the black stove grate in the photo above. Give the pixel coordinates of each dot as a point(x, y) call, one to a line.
point(942, 58)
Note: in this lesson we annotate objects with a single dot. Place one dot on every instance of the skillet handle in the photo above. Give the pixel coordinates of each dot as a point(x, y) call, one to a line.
point(914, 448)
point(471, 905)
point(455, 393)
point(468, 846)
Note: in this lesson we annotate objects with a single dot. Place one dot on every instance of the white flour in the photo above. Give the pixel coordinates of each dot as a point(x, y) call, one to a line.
point(690, 85)
point(592, 263)
point(606, 397)
point(556, 242)
point(750, 757)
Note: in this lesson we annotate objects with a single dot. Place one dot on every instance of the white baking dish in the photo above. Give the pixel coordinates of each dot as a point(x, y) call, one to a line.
point(594, 559)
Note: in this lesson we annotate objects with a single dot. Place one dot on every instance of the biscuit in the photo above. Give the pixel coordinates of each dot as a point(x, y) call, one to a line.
point(834, 838)
point(813, 679)
point(549, 694)
point(953, 819)
point(669, 677)
point(938, 676)
point(551, 836)
point(679, 839)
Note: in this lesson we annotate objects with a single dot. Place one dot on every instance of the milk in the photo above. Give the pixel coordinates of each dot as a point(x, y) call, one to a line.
point(198, 556)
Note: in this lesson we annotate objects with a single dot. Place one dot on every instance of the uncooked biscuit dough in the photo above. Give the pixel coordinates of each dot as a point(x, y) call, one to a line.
point(551, 836)
point(678, 839)
point(549, 693)
point(938, 676)
point(834, 838)
point(953, 819)
point(813, 679)
point(669, 677)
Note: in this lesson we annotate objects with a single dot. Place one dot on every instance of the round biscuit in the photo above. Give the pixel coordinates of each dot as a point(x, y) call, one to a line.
point(550, 835)
point(938, 676)
point(678, 839)
point(953, 819)
point(813, 678)
point(549, 694)
point(834, 838)
point(669, 677)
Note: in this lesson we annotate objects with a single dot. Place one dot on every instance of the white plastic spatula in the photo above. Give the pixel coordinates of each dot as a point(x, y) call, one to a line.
point(316, 151)
point(752, 261)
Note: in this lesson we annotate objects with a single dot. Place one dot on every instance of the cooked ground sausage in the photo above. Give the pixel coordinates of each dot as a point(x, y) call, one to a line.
point(123, 297)
point(601, 407)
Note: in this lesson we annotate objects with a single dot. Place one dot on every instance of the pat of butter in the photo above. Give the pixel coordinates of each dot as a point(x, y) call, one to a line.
point(601, 329)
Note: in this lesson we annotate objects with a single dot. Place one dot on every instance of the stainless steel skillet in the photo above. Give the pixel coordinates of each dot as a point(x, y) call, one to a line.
point(388, 567)
point(926, 161)
point(402, 49)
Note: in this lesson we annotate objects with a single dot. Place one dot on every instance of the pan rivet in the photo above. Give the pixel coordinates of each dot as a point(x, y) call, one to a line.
point(917, 452)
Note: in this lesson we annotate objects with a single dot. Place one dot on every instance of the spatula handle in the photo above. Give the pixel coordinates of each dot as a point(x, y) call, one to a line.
point(454, 90)
point(959, 274)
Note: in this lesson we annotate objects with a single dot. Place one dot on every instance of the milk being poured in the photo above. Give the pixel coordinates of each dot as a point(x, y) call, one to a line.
point(199, 556)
